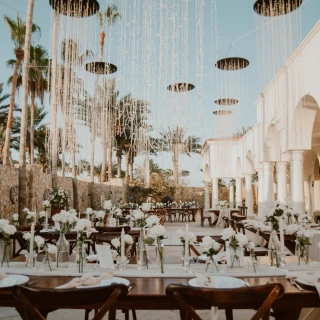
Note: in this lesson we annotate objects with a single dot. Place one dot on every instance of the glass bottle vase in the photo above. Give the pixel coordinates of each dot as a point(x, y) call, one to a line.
point(141, 251)
point(63, 248)
point(5, 251)
point(80, 256)
point(302, 251)
point(160, 256)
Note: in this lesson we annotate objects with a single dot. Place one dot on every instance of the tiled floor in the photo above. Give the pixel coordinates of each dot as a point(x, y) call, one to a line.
point(174, 248)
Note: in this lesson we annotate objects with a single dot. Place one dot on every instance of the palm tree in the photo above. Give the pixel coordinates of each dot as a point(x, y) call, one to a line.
point(18, 31)
point(4, 108)
point(37, 86)
point(241, 132)
point(175, 140)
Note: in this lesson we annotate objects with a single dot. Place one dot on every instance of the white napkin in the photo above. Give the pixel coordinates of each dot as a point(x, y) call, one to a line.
point(206, 281)
point(311, 278)
point(3, 275)
point(86, 280)
point(92, 257)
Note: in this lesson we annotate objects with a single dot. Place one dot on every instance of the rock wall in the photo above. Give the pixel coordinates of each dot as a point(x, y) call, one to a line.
point(39, 185)
point(81, 190)
point(105, 191)
point(9, 182)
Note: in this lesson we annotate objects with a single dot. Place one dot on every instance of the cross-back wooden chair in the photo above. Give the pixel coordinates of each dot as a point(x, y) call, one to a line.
point(243, 211)
point(192, 298)
point(40, 301)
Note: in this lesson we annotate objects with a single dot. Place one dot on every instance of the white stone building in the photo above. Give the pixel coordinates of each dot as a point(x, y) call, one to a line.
point(284, 145)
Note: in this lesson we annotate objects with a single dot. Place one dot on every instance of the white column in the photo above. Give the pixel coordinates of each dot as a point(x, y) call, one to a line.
point(282, 181)
point(268, 183)
point(260, 192)
point(215, 192)
point(206, 195)
point(249, 198)
point(231, 196)
point(296, 180)
point(238, 192)
point(307, 193)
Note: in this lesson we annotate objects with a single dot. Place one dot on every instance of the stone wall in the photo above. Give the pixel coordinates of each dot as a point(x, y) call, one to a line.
point(37, 183)
point(105, 191)
point(9, 180)
point(81, 190)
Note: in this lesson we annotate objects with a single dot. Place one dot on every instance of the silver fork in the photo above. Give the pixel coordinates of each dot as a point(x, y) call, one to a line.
point(295, 284)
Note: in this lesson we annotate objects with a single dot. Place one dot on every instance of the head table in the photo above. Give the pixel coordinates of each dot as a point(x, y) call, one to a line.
point(149, 290)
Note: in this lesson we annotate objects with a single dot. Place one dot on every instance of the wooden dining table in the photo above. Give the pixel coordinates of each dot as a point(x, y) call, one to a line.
point(149, 293)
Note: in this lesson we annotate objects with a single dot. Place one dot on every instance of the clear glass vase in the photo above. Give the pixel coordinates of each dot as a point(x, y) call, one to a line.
point(160, 256)
point(253, 264)
point(273, 249)
point(235, 257)
point(212, 265)
point(63, 248)
point(302, 251)
point(47, 262)
point(81, 256)
point(141, 251)
point(5, 250)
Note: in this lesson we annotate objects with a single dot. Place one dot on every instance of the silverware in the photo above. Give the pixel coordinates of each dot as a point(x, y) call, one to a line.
point(32, 282)
point(247, 284)
point(131, 286)
point(295, 284)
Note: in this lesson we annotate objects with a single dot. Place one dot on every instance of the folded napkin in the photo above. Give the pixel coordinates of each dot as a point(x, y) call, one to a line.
point(86, 280)
point(313, 279)
point(206, 281)
point(3, 275)
point(92, 257)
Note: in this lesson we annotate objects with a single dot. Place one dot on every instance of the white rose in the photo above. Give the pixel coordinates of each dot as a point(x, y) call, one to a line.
point(128, 239)
point(107, 205)
point(251, 245)
point(116, 242)
point(114, 254)
point(180, 233)
point(15, 217)
point(206, 241)
point(227, 233)
point(138, 214)
point(9, 229)
point(42, 214)
point(242, 239)
point(89, 211)
point(157, 231)
point(215, 245)
point(52, 249)
point(152, 220)
point(57, 217)
point(27, 236)
point(292, 228)
point(73, 211)
point(308, 234)
point(118, 212)
point(146, 206)
point(25, 210)
point(100, 214)
point(39, 241)
point(46, 203)
point(3, 223)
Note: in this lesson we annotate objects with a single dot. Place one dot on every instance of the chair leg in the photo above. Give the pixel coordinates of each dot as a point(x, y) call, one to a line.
point(86, 314)
point(229, 314)
point(126, 314)
point(134, 316)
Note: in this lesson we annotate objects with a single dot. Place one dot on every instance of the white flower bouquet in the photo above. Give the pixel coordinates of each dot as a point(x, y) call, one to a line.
point(6, 232)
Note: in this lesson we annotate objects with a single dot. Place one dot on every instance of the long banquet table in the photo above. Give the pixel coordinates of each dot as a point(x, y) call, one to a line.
point(149, 291)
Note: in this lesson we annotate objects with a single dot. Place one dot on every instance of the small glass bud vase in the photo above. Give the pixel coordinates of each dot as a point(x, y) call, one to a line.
point(212, 264)
point(47, 262)
point(302, 251)
point(31, 260)
point(235, 257)
point(80, 256)
point(63, 252)
point(5, 252)
point(253, 264)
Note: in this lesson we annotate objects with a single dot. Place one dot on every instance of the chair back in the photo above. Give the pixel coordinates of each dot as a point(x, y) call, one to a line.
point(194, 298)
point(46, 300)
point(106, 234)
point(243, 211)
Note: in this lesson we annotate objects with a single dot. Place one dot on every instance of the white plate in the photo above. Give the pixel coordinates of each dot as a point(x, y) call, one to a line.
point(107, 282)
point(12, 280)
point(221, 282)
point(203, 258)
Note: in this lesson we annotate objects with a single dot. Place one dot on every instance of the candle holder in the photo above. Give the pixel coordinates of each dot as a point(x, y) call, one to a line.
point(31, 260)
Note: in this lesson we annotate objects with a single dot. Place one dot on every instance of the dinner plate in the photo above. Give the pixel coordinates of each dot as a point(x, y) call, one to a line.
point(12, 280)
point(221, 282)
point(108, 282)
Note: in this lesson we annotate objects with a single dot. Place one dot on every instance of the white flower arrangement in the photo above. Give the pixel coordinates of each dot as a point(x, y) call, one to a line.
point(60, 199)
point(192, 238)
point(42, 217)
point(222, 204)
point(146, 207)
point(15, 217)
point(211, 249)
point(116, 243)
point(6, 232)
point(107, 205)
point(46, 204)
point(152, 221)
point(65, 219)
point(30, 217)
point(99, 215)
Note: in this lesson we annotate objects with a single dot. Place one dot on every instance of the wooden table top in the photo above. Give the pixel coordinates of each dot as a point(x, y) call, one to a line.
point(149, 293)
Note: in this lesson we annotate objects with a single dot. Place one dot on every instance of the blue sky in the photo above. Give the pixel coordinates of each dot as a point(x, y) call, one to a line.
point(235, 18)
